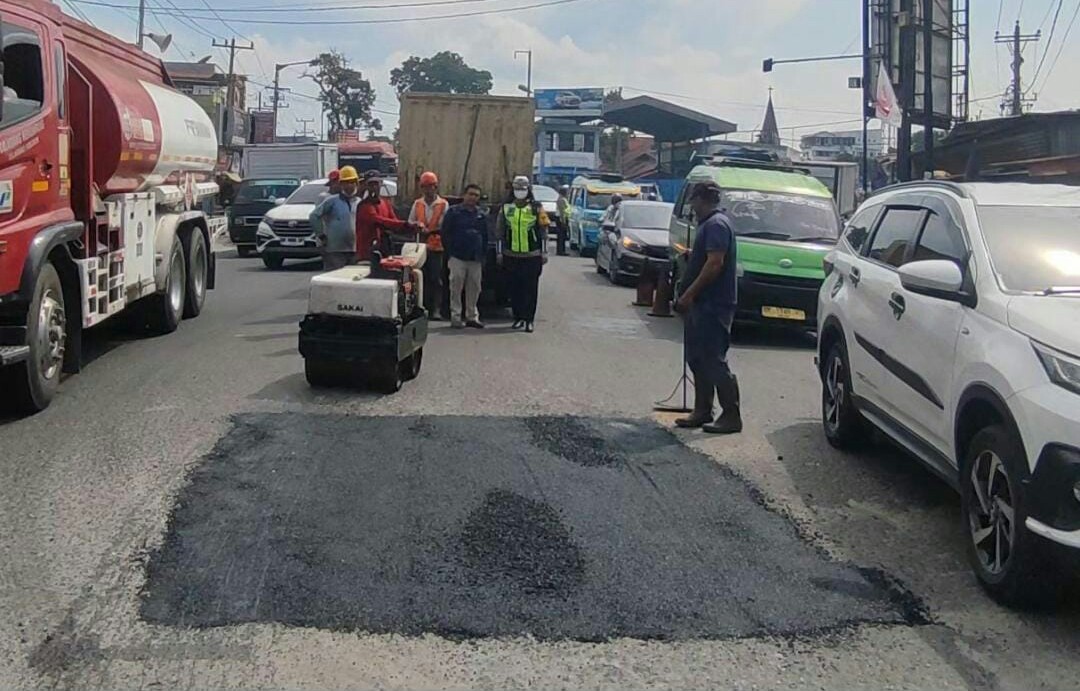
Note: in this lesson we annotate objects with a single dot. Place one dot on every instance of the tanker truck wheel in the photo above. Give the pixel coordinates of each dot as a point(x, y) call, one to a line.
point(165, 310)
point(34, 381)
point(198, 269)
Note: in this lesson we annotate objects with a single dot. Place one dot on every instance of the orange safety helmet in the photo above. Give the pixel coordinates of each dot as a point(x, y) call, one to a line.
point(334, 175)
point(429, 178)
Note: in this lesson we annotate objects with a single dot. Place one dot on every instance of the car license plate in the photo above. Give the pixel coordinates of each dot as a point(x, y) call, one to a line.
point(783, 313)
point(292, 242)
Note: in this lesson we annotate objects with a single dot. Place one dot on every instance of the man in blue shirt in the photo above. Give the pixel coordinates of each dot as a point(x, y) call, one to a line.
point(334, 222)
point(708, 304)
point(465, 239)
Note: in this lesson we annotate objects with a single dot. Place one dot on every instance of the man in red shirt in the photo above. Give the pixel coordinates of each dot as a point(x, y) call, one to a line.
point(374, 216)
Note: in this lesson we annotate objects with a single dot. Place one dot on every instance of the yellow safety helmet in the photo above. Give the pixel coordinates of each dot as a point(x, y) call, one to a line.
point(349, 174)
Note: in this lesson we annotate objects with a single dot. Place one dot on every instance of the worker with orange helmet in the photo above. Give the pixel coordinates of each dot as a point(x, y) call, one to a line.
point(427, 213)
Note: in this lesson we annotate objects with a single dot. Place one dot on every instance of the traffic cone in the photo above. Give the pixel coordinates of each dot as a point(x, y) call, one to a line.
point(646, 286)
point(662, 302)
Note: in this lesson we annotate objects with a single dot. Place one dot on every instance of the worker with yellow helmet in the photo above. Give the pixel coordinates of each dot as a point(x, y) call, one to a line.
point(333, 221)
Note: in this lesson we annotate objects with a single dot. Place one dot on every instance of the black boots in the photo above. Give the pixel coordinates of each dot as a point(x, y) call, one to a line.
point(730, 420)
point(703, 405)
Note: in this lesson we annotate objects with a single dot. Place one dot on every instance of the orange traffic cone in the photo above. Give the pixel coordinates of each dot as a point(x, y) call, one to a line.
point(646, 286)
point(662, 302)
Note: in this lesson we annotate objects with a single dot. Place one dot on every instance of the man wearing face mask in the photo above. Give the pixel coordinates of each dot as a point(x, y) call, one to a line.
point(334, 221)
point(522, 233)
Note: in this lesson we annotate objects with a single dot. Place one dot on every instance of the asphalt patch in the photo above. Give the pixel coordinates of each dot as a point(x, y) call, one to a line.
point(467, 527)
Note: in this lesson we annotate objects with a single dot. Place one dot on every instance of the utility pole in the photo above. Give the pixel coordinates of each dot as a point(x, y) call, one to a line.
point(231, 86)
point(277, 83)
point(142, 22)
point(1017, 41)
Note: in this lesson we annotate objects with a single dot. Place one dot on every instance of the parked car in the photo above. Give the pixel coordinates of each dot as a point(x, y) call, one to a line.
point(285, 231)
point(548, 198)
point(638, 236)
point(950, 321)
point(253, 199)
point(785, 221)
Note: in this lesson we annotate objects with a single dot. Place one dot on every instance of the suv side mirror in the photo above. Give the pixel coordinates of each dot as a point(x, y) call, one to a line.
point(939, 278)
point(279, 201)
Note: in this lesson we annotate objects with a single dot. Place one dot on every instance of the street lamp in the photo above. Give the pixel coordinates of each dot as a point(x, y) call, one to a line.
point(277, 83)
point(528, 79)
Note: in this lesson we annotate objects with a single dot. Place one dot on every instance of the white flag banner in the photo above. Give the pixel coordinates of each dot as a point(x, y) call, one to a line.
point(886, 107)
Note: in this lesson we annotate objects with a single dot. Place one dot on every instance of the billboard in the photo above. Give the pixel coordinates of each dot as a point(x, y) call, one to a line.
point(890, 21)
point(569, 103)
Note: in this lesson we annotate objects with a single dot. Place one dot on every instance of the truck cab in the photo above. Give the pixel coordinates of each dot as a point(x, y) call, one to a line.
point(104, 186)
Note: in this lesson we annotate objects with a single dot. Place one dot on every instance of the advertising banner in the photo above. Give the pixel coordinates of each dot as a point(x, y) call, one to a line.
point(569, 103)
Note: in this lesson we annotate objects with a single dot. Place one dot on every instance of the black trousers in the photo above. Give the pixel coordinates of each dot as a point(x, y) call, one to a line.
point(523, 281)
point(561, 231)
point(707, 337)
point(436, 300)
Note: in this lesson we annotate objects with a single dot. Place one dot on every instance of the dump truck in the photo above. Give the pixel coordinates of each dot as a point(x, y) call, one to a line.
point(467, 139)
point(464, 138)
point(106, 191)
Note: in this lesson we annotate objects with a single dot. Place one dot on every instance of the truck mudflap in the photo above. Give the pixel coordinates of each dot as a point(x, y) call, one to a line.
point(362, 341)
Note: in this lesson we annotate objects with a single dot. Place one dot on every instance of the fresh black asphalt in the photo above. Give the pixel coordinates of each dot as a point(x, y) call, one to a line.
point(560, 528)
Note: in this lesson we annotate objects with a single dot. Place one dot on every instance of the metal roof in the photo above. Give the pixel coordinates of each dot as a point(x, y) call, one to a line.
point(665, 121)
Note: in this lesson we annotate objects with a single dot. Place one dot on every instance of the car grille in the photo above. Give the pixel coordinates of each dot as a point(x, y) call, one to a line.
point(252, 220)
point(657, 252)
point(291, 229)
point(778, 281)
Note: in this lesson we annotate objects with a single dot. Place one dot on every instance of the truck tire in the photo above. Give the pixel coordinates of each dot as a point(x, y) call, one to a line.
point(272, 262)
point(198, 271)
point(165, 310)
point(34, 381)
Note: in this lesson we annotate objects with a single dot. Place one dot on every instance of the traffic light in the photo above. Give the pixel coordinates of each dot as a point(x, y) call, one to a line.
point(766, 65)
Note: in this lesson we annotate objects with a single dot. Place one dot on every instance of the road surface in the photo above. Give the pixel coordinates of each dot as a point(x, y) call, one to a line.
point(190, 514)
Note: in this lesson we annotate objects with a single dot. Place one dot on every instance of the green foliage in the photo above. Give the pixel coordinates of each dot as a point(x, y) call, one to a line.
point(346, 96)
point(444, 72)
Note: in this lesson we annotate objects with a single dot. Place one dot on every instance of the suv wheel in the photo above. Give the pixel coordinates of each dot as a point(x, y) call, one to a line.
point(844, 427)
point(1007, 558)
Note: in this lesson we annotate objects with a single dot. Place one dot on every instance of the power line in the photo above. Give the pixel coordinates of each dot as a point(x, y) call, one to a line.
point(189, 21)
point(1049, 43)
point(293, 9)
point(79, 13)
point(390, 20)
point(1064, 42)
point(1001, 7)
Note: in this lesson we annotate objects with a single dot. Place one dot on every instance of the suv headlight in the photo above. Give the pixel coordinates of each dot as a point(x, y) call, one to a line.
point(632, 245)
point(1062, 369)
point(264, 230)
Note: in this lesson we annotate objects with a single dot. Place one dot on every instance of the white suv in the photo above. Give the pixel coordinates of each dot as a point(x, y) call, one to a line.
point(950, 321)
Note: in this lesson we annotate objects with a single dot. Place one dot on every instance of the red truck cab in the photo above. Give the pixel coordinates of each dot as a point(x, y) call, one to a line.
point(103, 191)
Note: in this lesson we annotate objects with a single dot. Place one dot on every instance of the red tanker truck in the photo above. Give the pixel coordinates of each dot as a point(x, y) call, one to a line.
point(105, 187)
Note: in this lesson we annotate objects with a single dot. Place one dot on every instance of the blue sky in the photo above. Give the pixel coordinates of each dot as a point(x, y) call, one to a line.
point(703, 54)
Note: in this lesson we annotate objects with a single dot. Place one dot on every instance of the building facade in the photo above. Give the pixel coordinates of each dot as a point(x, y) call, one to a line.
point(209, 87)
point(841, 146)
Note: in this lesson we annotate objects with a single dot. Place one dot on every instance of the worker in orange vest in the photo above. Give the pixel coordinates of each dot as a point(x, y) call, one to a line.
point(427, 213)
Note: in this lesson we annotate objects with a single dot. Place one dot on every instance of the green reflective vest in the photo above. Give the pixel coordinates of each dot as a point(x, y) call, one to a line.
point(521, 225)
